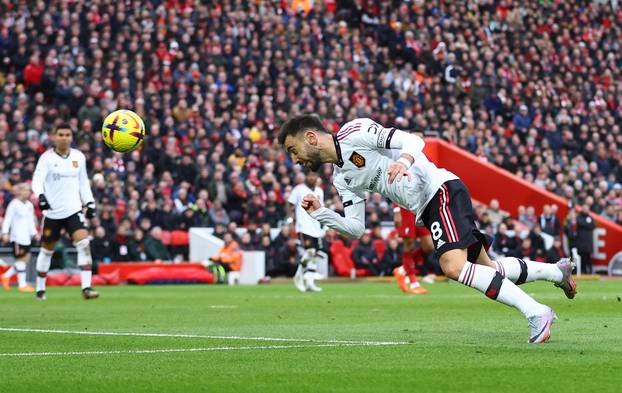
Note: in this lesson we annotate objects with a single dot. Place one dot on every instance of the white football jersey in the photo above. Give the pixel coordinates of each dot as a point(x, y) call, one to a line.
point(63, 181)
point(20, 221)
point(304, 222)
point(365, 150)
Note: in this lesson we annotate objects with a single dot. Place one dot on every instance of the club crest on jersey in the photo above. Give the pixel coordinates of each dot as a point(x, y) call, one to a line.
point(358, 160)
point(75, 164)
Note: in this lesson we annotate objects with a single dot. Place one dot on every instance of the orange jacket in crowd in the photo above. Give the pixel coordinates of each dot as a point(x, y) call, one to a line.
point(230, 255)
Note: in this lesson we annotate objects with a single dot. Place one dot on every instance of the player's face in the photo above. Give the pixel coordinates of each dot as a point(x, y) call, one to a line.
point(311, 180)
point(63, 138)
point(24, 192)
point(304, 150)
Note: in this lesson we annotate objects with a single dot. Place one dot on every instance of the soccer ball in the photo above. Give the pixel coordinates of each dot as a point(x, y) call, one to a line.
point(123, 131)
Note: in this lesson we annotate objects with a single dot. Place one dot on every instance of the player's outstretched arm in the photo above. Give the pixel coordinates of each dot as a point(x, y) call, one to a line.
point(352, 225)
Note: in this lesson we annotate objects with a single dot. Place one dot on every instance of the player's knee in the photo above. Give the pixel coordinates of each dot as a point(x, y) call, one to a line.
point(47, 247)
point(24, 258)
point(451, 266)
point(451, 270)
point(84, 252)
point(82, 244)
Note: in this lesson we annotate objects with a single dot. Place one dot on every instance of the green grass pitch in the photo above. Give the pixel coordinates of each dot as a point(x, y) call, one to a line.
point(363, 337)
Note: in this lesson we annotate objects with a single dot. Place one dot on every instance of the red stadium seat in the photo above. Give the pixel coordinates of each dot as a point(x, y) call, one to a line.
point(179, 238)
point(166, 238)
point(379, 246)
point(341, 258)
point(341, 264)
point(337, 245)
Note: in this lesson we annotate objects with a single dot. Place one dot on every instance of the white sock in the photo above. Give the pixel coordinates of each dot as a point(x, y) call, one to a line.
point(309, 278)
point(520, 271)
point(85, 262)
point(492, 283)
point(9, 273)
point(415, 284)
point(20, 267)
point(86, 275)
point(43, 266)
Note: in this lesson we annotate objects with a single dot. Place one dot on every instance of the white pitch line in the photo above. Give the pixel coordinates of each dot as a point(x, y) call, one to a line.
point(149, 351)
point(96, 333)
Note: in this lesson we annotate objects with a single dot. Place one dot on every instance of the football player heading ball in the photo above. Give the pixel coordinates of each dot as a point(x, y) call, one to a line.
point(368, 157)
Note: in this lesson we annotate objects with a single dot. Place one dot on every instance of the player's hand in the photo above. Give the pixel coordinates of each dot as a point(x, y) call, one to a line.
point(90, 210)
point(310, 203)
point(398, 170)
point(43, 202)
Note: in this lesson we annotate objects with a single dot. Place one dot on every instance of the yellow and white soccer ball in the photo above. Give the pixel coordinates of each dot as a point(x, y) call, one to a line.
point(123, 131)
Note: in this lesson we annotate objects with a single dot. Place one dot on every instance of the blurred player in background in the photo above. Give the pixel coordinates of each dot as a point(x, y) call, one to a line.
point(310, 234)
point(409, 232)
point(61, 183)
point(19, 228)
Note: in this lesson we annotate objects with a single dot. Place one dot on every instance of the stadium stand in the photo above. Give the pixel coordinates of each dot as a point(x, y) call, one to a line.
point(533, 88)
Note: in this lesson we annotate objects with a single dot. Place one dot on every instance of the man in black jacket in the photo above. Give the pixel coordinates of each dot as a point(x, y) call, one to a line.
point(504, 244)
point(392, 256)
point(556, 252)
point(537, 241)
point(549, 222)
point(101, 247)
point(585, 238)
point(365, 257)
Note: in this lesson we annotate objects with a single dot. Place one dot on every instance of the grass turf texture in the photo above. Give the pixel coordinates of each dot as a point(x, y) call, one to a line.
point(457, 340)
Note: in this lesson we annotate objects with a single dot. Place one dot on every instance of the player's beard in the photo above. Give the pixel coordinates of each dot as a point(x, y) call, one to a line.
point(315, 161)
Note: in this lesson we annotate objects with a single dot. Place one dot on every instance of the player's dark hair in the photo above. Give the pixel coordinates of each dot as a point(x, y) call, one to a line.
point(300, 123)
point(62, 126)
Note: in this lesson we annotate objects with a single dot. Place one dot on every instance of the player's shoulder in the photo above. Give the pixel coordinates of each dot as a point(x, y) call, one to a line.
point(77, 153)
point(46, 155)
point(363, 133)
point(352, 127)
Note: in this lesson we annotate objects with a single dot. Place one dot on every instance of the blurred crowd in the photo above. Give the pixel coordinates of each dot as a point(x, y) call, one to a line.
point(533, 87)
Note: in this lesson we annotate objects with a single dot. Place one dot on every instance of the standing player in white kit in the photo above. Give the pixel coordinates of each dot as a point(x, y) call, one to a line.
point(19, 227)
point(368, 157)
point(61, 183)
point(310, 234)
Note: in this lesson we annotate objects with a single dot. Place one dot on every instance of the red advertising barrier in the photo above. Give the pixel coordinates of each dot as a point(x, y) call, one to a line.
point(486, 182)
point(127, 268)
